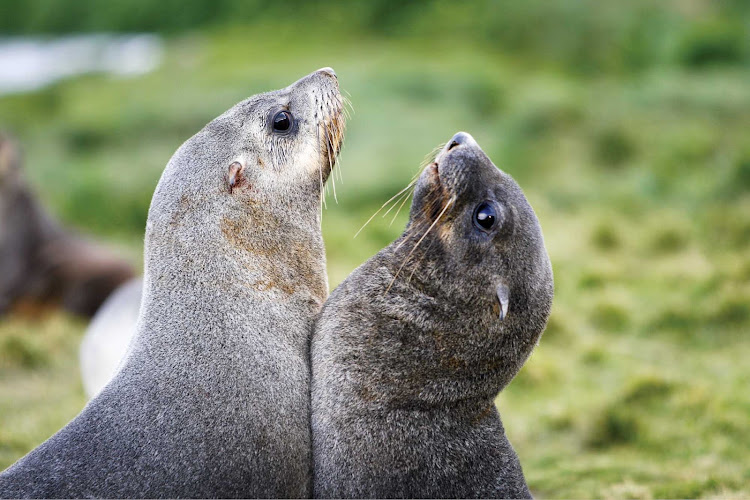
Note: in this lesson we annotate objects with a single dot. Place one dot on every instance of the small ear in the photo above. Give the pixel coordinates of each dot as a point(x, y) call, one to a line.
point(503, 296)
point(234, 176)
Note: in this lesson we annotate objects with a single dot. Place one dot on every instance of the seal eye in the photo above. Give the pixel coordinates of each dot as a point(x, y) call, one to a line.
point(485, 216)
point(282, 121)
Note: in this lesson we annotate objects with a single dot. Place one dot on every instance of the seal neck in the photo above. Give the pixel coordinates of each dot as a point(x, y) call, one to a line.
point(416, 346)
point(216, 271)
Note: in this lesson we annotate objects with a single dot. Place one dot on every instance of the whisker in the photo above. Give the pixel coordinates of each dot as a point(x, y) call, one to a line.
point(420, 261)
point(345, 104)
point(338, 167)
point(406, 198)
point(418, 227)
point(430, 157)
point(339, 134)
point(447, 205)
point(383, 206)
point(331, 152)
point(404, 195)
point(348, 105)
point(322, 186)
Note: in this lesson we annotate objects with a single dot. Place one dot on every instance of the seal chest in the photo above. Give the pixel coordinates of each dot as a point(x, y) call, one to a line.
point(212, 399)
point(410, 351)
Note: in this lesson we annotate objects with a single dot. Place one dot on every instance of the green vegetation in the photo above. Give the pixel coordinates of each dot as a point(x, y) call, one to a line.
point(626, 125)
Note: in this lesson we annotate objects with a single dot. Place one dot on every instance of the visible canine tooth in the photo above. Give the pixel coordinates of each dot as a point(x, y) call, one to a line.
point(503, 295)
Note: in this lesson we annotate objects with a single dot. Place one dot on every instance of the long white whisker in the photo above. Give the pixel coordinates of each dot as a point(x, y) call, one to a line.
point(406, 198)
point(404, 195)
point(330, 153)
point(430, 157)
point(420, 261)
point(419, 225)
point(383, 206)
point(447, 205)
point(322, 186)
point(339, 133)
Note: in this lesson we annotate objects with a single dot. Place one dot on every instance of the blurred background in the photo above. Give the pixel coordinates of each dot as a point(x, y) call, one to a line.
point(626, 123)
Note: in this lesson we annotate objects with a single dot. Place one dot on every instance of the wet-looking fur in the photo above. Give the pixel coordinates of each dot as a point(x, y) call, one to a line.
point(212, 399)
point(410, 351)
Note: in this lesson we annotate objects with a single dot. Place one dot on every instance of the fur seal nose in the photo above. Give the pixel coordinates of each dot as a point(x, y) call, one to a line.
point(460, 139)
point(328, 71)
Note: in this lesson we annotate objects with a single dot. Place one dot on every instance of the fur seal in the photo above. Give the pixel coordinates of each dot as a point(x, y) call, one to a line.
point(43, 265)
point(212, 399)
point(410, 351)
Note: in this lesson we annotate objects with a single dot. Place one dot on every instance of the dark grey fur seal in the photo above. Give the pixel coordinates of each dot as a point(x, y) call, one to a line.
point(407, 361)
point(212, 399)
point(42, 264)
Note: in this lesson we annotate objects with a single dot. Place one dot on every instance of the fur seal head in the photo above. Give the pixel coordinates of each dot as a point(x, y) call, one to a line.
point(471, 279)
point(250, 184)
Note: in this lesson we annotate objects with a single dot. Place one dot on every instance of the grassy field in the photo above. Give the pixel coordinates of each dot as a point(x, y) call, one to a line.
point(641, 181)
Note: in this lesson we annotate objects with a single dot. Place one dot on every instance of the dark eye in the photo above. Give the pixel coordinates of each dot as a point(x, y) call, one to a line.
point(485, 216)
point(282, 121)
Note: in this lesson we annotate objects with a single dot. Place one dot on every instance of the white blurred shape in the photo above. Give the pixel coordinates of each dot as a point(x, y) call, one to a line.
point(29, 63)
point(108, 336)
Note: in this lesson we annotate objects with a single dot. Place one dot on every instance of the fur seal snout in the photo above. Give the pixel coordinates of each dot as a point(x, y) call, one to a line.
point(410, 351)
point(212, 399)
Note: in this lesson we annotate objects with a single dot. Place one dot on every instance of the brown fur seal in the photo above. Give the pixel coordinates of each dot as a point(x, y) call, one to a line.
point(410, 351)
point(41, 264)
point(212, 399)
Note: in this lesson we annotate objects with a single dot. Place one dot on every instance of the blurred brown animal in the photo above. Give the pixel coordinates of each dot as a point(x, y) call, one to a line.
point(43, 265)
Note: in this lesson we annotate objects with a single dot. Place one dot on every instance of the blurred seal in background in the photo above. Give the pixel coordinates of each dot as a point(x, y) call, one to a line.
point(212, 399)
point(43, 265)
point(411, 350)
point(108, 335)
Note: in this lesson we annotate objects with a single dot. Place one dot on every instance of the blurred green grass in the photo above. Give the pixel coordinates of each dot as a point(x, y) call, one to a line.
point(628, 135)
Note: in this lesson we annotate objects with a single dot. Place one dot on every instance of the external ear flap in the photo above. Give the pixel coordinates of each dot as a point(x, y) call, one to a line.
point(234, 176)
point(503, 296)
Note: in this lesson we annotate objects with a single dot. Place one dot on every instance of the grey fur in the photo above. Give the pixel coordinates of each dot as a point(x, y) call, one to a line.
point(212, 399)
point(407, 362)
